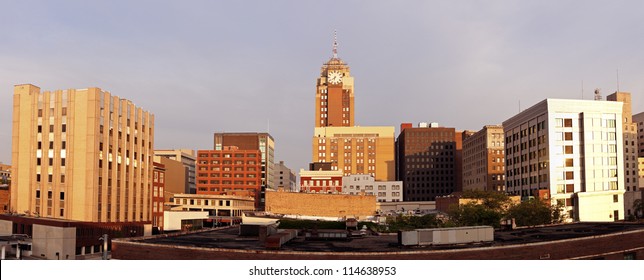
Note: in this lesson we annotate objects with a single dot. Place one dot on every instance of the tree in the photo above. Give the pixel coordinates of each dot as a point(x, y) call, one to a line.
point(535, 212)
point(638, 208)
point(473, 214)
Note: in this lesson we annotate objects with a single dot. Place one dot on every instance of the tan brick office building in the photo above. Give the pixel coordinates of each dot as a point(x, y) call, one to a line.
point(81, 154)
point(484, 160)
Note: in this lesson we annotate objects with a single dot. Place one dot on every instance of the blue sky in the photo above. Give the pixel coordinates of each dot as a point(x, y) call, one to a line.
point(211, 66)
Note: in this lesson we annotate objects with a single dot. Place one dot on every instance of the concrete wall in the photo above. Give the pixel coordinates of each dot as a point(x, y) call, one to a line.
point(49, 240)
point(6, 227)
point(172, 220)
point(324, 205)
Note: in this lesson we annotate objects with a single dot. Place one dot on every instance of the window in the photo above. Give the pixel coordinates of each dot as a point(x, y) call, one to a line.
point(568, 150)
point(568, 122)
point(569, 162)
point(615, 198)
point(568, 136)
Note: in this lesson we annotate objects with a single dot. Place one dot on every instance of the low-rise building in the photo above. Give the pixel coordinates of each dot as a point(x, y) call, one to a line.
point(385, 191)
point(320, 181)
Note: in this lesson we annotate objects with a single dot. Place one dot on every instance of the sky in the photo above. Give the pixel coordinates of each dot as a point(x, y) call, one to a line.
point(251, 66)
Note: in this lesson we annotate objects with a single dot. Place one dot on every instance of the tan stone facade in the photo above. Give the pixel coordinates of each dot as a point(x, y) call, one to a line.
point(81, 154)
point(322, 205)
point(357, 150)
point(484, 160)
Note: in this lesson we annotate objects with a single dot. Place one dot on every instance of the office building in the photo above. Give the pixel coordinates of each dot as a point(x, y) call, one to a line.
point(484, 160)
point(638, 119)
point(252, 141)
point(284, 177)
point(158, 198)
point(229, 171)
point(357, 150)
point(188, 158)
point(573, 150)
point(385, 191)
point(81, 154)
point(429, 161)
point(176, 177)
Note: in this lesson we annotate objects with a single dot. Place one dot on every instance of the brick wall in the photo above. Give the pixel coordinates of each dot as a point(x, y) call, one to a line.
point(325, 205)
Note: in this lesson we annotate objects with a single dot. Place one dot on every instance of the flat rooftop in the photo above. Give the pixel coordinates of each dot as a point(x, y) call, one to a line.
point(228, 238)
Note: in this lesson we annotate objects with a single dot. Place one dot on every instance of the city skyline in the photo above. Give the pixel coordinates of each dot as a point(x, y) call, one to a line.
point(206, 67)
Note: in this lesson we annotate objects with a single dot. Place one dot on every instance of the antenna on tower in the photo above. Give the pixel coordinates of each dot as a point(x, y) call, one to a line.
point(335, 44)
point(598, 96)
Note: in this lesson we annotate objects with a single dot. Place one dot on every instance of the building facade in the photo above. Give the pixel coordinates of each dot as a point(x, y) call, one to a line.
point(175, 178)
point(639, 120)
point(252, 141)
point(357, 150)
point(5, 185)
point(429, 161)
point(630, 140)
point(631, 171)
point(320, 181)
point(188, 158)
point(484, 160)
point(284, 177)
point(158, 198)
point(573, 150)
point(81, 154)
point(229, 171)
point(334, 99)
point(385, 191)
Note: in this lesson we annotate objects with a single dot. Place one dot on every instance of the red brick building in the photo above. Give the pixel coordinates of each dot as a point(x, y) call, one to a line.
point(229, 171)
point(320, 181)
point(158, 186)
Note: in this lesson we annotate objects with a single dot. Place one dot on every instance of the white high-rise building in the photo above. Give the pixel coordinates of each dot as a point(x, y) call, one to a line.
point(572, 150)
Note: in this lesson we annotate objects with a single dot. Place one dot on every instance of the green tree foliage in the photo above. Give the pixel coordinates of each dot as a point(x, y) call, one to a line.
point(490, 199)
point(638, 208)
point(401, 222)
point(473, 214)
point(535, 212)
point(530, 213)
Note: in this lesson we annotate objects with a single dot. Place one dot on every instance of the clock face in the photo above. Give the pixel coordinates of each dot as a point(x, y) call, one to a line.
point(335, 77)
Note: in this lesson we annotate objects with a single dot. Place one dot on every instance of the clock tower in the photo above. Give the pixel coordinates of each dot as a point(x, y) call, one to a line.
point(334, 93)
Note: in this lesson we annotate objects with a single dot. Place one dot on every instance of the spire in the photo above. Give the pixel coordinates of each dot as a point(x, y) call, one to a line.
point(335, 44)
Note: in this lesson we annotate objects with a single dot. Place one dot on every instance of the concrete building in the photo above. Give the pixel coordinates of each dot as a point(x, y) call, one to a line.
point(81, 154)
point(484, 160)
point(284, 177)
point(226, 209)
point(385, 191)
point(229, 171)
point(357, 150)
point(320, 181)
point(630, 151)
point(188, 158)
point(176, 177)
point(429, 161)
point(334, 98)
point(573, 150)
